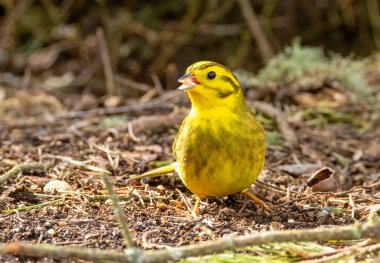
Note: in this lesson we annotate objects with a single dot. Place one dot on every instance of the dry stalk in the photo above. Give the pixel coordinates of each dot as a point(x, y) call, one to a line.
point(119, 213)
point(104, 53)
point(284, 127)
point(256, 30)
point(369, 229)
point(21, 168)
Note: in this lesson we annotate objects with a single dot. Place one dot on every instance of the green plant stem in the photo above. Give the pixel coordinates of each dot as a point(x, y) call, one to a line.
point(33, 206)
point(21, 168)
point(119, 213)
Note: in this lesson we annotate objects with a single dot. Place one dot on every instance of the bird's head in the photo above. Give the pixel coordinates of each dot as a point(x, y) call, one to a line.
point(211, 85)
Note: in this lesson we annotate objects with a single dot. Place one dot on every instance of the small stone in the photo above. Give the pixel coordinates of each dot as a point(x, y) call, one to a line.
point(57, 186)
point(108, 202)
point(50, 232)
point(161, 205)
point(291, 220)
point(160, 187)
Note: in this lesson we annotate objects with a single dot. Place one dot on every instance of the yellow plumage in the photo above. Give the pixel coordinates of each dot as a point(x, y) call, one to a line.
point(220, 147)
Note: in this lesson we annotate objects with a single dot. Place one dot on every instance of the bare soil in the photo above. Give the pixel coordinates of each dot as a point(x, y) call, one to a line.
point(155, 210)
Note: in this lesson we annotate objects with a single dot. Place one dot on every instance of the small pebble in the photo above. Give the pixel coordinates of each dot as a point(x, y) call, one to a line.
point(57, 186)
point(108, 202)
point(50, 232)
point(291, 220)
point(160, 187)
point(161, 205)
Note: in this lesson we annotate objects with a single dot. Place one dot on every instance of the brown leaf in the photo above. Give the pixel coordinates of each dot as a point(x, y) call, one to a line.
point(323, 180)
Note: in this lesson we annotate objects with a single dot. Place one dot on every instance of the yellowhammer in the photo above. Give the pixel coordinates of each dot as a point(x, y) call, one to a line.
point(220, 147)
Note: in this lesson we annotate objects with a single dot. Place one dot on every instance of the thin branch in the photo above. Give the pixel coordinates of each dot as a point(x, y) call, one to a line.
point(369, 229)
point(256, 30)
point(117, 110)
point(105, 56)
point(354, 251)
point(55, 120)
point(21, 168)
point(133, 84)
point(80, 164)
point(326, 255)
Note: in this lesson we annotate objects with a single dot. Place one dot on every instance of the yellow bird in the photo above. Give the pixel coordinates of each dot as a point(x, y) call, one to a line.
point(220, 147)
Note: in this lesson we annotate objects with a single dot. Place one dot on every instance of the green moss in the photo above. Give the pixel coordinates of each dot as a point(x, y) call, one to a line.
point(294, 63)
point(113, 122)
point(307, 68)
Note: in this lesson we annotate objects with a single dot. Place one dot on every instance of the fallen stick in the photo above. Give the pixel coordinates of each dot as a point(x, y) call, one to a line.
point(346, 253)
point(369, 229)
point(286, 131)
point(153, 105)
point(337, 253)
point(156, 122)
point(21, 168)
point(257, 32)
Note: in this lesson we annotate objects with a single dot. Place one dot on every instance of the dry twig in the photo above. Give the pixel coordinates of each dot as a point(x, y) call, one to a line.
point(370, 229)
point(110, 82)
point(55, 120)
point(288, 133)
point(156, 122)
point(338, 252)
point(256, 30)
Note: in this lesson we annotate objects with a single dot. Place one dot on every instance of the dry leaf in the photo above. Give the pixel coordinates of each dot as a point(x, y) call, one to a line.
point(323, 180)
point(298, 169)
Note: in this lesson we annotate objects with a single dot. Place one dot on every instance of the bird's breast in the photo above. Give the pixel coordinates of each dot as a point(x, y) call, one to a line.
point(219, 157)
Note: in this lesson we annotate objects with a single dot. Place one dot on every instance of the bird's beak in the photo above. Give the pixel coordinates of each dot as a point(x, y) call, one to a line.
point(188, 81)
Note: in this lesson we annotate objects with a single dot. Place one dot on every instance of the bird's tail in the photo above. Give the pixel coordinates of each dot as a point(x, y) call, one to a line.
point(156, 172)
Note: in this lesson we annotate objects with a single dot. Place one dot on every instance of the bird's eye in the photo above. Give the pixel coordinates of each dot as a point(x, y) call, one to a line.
point(211, 75)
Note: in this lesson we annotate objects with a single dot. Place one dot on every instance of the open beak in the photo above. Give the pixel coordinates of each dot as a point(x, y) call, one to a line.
point(188, 81)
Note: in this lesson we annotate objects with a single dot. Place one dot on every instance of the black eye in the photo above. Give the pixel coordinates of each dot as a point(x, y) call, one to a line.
point(211, 75)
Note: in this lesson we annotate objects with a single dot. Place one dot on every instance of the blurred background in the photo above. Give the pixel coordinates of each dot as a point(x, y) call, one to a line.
point(138, 49)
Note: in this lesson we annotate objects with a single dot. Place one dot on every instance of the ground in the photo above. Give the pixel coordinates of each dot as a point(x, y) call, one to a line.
point(156, 208)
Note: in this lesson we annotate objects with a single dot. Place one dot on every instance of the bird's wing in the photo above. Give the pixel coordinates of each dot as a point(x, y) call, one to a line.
point(174, 147)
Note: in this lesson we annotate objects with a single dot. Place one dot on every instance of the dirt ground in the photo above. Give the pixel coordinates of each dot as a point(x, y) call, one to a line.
point(156, 207)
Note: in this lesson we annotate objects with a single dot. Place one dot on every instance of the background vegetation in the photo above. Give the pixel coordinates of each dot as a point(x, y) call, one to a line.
point(59, 38)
